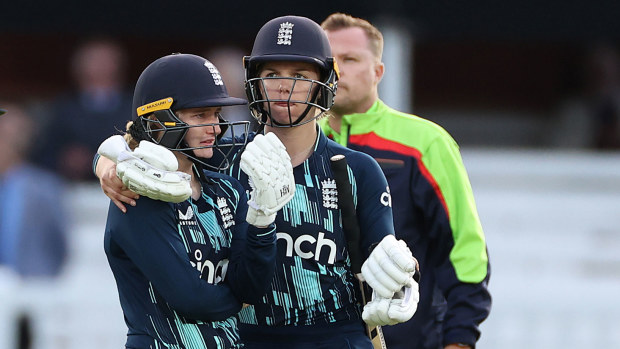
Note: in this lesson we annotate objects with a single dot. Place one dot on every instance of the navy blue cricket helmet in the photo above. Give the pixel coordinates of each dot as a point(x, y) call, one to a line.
point(174, 82)
point(296, 39)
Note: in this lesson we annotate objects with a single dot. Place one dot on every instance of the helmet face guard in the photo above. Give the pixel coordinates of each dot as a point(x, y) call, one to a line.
point(262, 92)
point(163, 127)
point(290, 39)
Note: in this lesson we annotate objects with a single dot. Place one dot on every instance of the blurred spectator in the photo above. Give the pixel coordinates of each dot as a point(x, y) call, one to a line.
point(81, 119)
point(603, 90)
point(593, 119)
point(229, 62)
point(33, 239)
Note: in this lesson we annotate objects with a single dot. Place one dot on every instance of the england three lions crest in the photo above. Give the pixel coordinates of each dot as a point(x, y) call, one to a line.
point(227, 218)
point(330, 194)
point(285, 34)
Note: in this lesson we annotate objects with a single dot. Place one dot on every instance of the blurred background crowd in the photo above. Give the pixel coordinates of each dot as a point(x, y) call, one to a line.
point(529, 89)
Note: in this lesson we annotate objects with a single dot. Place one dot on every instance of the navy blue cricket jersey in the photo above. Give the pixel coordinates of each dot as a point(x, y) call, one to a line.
point(313, 293)
point(183, 270)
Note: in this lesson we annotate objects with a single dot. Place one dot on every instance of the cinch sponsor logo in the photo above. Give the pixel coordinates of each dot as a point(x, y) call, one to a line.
point(308, 247)
point(214, 273)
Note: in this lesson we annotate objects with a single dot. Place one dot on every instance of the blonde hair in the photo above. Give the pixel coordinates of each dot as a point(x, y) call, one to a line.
point(133, 143)
point(337, 21)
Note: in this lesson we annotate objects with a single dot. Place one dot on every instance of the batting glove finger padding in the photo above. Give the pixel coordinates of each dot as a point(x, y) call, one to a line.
point(142, 178)
point(112, 147)
point(375, 312)
point(157, 156)
point(270, 173)
point(389, 267)
point(150, 170)
point(385, 311)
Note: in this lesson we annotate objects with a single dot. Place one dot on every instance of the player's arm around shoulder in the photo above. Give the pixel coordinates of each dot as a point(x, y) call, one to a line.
point(111, 184)
point(149, 170)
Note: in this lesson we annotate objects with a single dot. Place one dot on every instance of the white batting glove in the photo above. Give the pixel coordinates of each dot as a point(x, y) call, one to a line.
point(389, 267)
point(385, 311)
point(269, 168)
point(150, 170)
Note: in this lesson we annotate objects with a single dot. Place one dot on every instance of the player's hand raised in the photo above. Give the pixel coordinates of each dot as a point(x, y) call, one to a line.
point(269, 169)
